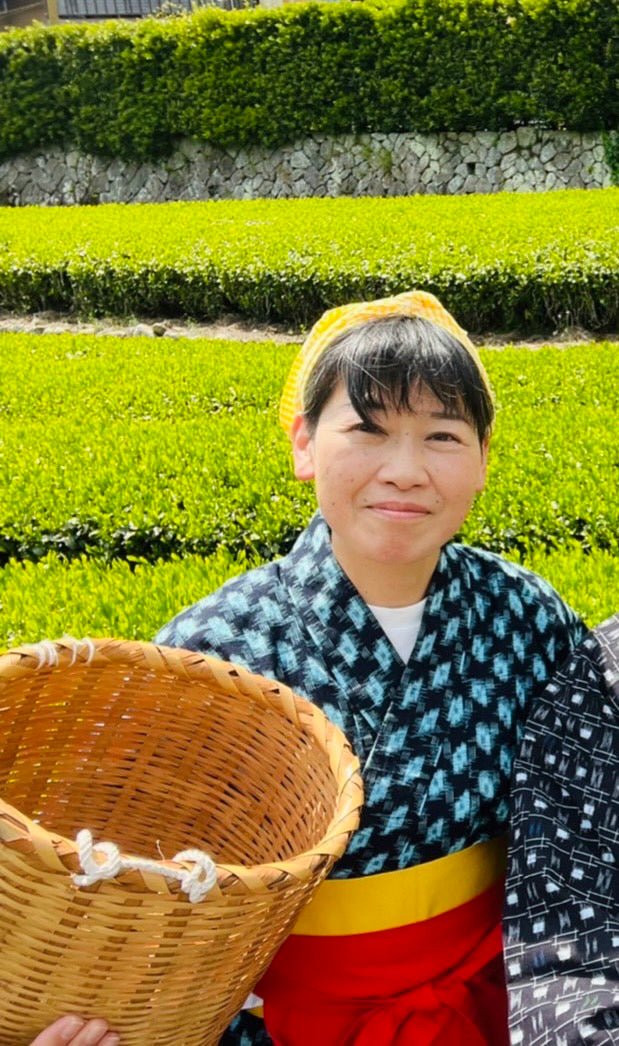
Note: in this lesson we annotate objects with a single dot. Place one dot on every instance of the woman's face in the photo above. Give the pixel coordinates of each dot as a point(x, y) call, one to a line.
point(392, 492)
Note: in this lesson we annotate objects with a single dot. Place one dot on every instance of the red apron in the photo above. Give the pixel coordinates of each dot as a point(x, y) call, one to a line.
point(412, 957)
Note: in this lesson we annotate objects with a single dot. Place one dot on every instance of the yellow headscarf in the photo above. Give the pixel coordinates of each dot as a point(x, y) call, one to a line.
point(336, 321)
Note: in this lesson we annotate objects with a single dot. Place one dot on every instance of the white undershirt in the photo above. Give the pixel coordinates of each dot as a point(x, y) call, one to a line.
point(401, 625)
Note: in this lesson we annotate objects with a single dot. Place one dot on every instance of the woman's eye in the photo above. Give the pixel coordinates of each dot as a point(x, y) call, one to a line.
point(445, 437)
point(366, 426)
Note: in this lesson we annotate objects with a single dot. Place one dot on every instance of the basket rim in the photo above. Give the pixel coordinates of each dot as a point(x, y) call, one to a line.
point(60, 853)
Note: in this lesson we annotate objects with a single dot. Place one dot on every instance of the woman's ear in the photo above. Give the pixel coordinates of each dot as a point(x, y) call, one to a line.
point(302, 448)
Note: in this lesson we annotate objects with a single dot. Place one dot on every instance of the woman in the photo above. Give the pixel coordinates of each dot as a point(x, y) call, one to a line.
point(426, 653)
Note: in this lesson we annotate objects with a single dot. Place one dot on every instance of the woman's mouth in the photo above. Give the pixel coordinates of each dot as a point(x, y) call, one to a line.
point(400, 510)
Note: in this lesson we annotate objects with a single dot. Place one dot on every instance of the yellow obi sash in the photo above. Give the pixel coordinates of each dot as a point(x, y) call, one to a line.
point(391, 899)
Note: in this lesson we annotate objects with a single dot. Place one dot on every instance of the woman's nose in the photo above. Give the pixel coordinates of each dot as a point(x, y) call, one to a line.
point(404, 465)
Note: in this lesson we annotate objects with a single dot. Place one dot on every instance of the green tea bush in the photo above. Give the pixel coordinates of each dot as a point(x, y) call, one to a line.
point(142, 450)
point(504, 262)
point(239, 78)
point(53, 597)
point(139, 475)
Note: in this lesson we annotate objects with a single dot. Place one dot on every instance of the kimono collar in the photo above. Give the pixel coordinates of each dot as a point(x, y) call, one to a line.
point(317, 580)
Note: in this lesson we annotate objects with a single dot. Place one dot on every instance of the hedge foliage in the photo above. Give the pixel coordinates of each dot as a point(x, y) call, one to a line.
point(83, 597)
point(138, 475)
point(503, 262)
point(239, 78)
point(142, 450)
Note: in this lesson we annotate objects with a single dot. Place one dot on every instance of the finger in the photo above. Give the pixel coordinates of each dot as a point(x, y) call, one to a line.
point(60, 1032)
point(93, 1033)
point(75, 1031)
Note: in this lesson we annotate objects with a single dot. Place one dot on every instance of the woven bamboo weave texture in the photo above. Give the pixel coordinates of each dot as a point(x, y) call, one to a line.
point(156, 750)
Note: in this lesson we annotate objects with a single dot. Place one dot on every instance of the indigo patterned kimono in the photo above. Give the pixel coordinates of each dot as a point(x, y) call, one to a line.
point(562, 905)
point(435, 736)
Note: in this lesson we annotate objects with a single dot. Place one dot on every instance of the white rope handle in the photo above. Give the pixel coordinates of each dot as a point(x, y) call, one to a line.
point(196, 882)
point(46, 652)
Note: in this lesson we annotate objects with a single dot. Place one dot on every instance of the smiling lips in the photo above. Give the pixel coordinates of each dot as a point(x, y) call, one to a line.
point(400, 510)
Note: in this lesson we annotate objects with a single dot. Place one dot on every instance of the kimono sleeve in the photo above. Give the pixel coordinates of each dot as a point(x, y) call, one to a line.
point(561, 944)
point(229, 624)
point(246, 1030)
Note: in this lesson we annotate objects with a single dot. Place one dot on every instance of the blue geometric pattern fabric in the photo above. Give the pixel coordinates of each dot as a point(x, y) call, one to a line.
point(435, 736)
point(561, 915)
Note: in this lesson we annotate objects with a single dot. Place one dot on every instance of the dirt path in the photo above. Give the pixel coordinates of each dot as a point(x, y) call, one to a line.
point(231, 328)
point(236, 329)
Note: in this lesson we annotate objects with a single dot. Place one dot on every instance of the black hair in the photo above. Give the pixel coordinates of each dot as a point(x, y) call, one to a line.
point(385, 361)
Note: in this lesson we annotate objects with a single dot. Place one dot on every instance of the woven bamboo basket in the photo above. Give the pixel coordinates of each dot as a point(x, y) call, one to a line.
point(155, 750)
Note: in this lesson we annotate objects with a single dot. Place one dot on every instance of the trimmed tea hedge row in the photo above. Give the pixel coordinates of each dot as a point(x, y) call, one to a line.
point(85, 597)
point(504, 262)
point(276, 76)
point(141, 450)
point(52, 598)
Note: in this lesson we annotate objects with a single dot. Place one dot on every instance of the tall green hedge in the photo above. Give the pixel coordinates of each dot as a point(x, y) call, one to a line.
point(239, 78)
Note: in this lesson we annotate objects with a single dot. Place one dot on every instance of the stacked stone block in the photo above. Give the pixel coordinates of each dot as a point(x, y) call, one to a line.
point(528, 159)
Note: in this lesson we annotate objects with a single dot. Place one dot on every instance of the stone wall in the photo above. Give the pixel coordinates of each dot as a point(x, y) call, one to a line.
point(528, 159)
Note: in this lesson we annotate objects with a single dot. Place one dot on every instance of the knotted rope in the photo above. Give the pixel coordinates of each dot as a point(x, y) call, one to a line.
point(195, 882)
point(48, 655)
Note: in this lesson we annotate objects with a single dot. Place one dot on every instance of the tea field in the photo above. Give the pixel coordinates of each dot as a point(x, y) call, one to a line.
point(526, 261)
point(138, 474)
